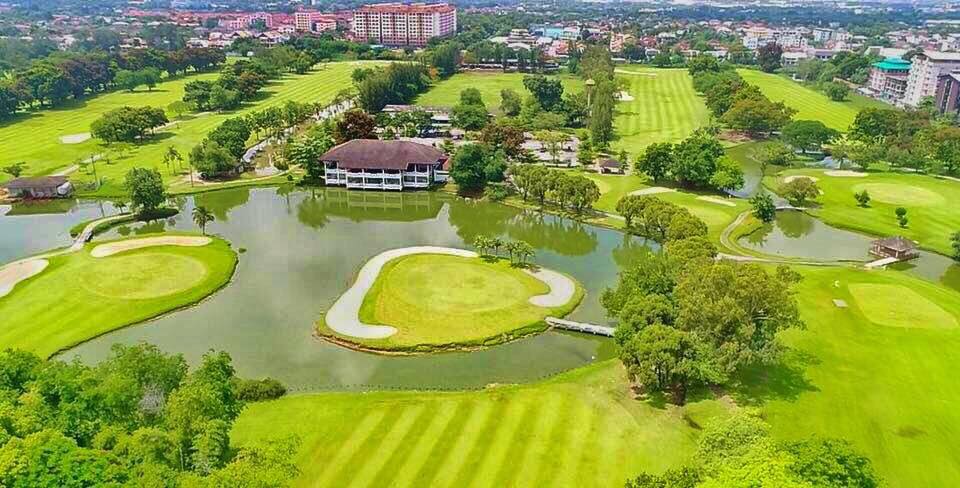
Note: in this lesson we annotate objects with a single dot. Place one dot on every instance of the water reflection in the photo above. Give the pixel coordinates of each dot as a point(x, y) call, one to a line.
point(798, 235)
point(303, 249)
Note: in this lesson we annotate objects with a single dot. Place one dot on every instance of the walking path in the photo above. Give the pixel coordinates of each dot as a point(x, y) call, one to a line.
point(87, 232)
point(581, 327)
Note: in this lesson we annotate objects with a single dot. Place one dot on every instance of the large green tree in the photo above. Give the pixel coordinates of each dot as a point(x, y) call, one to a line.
point(145, 190)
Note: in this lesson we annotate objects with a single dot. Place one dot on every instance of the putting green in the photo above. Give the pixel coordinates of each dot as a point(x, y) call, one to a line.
point(441, 302)
point(78, 296)
point(144, 275)
point(899, 306)
point(901, 194)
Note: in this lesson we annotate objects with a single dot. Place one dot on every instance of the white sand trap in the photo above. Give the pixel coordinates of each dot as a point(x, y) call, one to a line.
point(14, 273)
point(624, 96)
point(653, 190)
point(109, 249)
point(718, 201)
point(75, 138)
point(562, 288)
point(845, 173)
point(344, 316)
point(797, 177)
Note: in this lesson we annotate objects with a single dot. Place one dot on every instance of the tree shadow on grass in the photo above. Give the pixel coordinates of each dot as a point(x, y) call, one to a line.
point(783, 380)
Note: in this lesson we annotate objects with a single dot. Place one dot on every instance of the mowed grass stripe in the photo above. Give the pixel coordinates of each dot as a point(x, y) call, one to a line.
point(665, 108)
point(351, 446)
point(522, 412)
point(421, 458)
point(555, 445)
point(502, 415)
point(568, 464)
point(527, 456)
point(376, 460)
point(442, 447)
point(462, 441)
point(361, 455)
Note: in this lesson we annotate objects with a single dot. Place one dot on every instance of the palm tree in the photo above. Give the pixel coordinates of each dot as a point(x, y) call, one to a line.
point(172, 155)
point(524, 251)
point(482, 243)
point(496, 243)
point(202, 217)
point(511, 248)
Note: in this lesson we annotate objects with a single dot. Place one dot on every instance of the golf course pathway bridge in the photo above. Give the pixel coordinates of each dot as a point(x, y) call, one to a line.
point(581, 327)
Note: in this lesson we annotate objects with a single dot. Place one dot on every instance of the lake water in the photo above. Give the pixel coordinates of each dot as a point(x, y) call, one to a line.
point(301, 250)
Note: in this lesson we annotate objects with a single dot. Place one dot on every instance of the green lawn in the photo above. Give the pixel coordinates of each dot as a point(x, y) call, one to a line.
point(45, 153)
point(810, 104)
point(78, 297)
point(665, 108)
point(717, 216)
point(891, 391)
point(930, 203)
point(446, 93)
point(439, 301)
point(581, 429)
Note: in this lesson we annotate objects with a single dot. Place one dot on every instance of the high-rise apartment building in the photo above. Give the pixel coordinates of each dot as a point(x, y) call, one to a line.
point(925, 73)
point(398, 24)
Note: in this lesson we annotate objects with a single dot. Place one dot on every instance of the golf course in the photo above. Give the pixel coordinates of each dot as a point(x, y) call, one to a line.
point(446, 93)
point(80, 295)
point(661, 106)
point(54, 148)
point(810, 104)
point(446, 301)
point(930, 204)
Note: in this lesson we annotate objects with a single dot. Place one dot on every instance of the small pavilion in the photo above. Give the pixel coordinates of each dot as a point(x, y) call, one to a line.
point(897, 247)
point(609, 165)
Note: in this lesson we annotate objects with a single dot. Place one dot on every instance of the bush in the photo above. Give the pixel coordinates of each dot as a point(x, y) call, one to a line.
point(497, 191)
point(259, 390)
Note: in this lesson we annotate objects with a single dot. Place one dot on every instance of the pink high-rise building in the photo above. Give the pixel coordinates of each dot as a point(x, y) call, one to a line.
point(397, 24)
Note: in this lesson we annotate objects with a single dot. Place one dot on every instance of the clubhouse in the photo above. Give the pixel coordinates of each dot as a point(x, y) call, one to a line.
point(371, 164)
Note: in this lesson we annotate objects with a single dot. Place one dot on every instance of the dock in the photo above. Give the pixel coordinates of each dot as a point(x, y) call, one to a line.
point(586, 328)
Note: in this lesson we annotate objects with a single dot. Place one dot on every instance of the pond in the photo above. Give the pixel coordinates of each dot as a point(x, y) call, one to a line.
point(300, 251)
point(796, 234)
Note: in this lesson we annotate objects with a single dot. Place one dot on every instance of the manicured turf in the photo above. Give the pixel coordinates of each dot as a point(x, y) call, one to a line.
point(665, 108)
point(79, 297)
point(810, 104)
point(46, 154)
point(716, 216)
point(899, 306)
point(930, 203)
point(446, 93)
point(891, 391)
point(581, 429)
point(438, 300)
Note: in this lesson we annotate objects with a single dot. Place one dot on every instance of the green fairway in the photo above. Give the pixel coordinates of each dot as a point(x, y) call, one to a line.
point(446, 93)
point(930, 203)
point(442, 301)
point(810, 104)
point(716, 215)
point(45, 153)
point(665, 108)
point(582, 429)
point(78, 296)
point(888, 390)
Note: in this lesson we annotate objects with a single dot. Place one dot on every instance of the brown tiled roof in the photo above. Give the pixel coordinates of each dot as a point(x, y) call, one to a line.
point(376, 154)
point(898, 243)
point(38, 182)
point(609, 163)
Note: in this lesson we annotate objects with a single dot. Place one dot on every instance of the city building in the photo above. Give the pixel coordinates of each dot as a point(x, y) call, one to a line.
point(757, 37)
point(372, 164)
point(888, 79)
point(948, 93)
point(925, 73)
point(397, 24)
point(314, 22)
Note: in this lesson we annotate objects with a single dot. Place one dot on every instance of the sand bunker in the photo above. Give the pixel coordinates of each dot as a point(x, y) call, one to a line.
point(75, 138)
point(718, 201)
point(562, 288)
point(14, 273)
point(797, 177)
point(845, 173)
point(624, 96)
point(109, 249)
point(653, 190)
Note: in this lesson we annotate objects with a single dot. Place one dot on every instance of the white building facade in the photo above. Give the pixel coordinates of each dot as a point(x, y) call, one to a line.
point(925, 72)
point(397, 24)
point(370, 164)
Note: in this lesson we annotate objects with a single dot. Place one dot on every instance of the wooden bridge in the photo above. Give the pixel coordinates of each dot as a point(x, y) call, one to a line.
point(581, 327)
